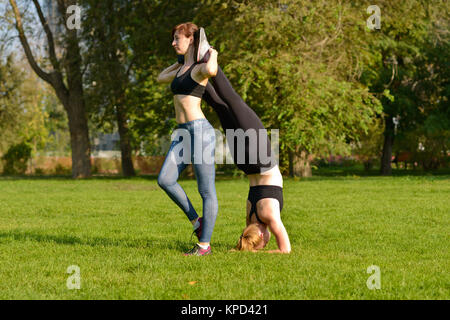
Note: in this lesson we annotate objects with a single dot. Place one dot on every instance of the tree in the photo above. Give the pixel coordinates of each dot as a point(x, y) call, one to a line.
point(56, 124)
point(22, 118)
point(110, 63)
point(128, 45)
point(66, 79)
point(296, 65)
point(400, 50)
point(427, 139)
point(11, 115)
point(144, 42)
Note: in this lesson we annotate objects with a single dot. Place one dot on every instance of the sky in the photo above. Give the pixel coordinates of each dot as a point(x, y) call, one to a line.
point(8, 33)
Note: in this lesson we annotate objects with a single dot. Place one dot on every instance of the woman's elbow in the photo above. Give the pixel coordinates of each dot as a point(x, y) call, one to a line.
point(285, 248)
point(161, 80)
point(212, 72)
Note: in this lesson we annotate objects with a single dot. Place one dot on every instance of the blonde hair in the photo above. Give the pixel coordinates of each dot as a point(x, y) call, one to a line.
point(249, 239)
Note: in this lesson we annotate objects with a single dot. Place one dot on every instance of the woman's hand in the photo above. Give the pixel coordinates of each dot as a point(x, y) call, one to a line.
point(209, 69)
point(212, 51)
point(278, 251)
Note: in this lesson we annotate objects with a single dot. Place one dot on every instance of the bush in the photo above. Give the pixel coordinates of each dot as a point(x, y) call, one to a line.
point(16, 159)
point(61, 170)
point(94, 169)
point(39, 171)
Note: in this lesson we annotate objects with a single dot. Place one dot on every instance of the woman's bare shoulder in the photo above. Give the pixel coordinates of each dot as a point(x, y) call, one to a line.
point(198, 76)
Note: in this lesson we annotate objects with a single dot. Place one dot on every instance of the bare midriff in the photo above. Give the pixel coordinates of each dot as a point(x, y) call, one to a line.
point(271, 177)
point(187, 108)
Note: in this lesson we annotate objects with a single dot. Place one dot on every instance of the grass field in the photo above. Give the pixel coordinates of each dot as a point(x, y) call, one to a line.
point(127, 237)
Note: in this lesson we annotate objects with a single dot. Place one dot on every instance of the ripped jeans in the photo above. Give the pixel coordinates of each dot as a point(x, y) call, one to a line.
point(192, 142)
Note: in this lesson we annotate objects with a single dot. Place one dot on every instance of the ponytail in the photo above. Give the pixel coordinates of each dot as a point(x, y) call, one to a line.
point(249, 238)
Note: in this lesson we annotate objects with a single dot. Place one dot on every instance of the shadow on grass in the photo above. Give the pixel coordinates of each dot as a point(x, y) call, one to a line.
point(320, 173)
point(356, 171)
point(69, 177)
point(143, 243)
point(105, 178)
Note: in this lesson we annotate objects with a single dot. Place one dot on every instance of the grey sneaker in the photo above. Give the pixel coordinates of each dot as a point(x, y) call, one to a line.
point(202, 46)
point(197, 251)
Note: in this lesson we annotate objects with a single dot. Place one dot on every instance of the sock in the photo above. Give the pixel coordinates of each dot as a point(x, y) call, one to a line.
point(196, 225)
point(203, 247)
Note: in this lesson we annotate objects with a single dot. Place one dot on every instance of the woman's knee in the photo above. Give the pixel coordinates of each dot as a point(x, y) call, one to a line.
point(164, 181)
point(206, 187)
point(208, 194)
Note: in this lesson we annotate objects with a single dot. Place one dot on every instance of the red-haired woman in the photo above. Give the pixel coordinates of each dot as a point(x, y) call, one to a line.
point(194, 134)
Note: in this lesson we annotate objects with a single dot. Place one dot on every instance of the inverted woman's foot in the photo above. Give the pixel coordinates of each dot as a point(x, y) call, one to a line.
point(198, 251)
point(202, 54)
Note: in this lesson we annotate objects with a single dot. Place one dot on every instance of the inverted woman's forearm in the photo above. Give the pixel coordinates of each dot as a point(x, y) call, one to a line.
point(211, 65)
point(280, 233)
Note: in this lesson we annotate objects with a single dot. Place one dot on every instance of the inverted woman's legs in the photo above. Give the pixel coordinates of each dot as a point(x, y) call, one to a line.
point(223, 111)
point(234, 113)
point(245, 116)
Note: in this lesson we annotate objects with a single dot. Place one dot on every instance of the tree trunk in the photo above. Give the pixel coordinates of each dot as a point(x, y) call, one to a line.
point(368, 165)
point(125, 143)
point(302, 165)
point(386, 157)
point(79, 130)
point(291, 163)
point(299, 165)
point(79, 139)
point(118, 77)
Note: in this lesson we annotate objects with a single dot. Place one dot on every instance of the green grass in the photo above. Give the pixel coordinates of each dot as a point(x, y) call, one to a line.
point(128, 237)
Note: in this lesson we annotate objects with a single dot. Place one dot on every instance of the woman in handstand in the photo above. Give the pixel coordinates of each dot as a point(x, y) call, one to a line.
point(265, 197)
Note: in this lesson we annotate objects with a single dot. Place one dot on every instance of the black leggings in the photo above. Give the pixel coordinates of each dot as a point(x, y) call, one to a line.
point(234, 114)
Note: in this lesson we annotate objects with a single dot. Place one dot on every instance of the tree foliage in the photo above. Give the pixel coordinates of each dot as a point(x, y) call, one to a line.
point(22, 115)
point(297, 67)
point(309, 68)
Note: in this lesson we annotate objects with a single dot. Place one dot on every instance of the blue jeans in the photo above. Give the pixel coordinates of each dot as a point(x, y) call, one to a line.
point(193, 142)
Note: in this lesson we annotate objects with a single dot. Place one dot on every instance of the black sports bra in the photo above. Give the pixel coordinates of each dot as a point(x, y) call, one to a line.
point(184, 84)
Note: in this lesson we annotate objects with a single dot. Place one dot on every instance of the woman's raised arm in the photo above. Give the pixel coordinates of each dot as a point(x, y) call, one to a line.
point(209, 69)
point(167, 75)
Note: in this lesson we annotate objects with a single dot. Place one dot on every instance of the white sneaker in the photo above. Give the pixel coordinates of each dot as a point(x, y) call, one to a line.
point(202, 47)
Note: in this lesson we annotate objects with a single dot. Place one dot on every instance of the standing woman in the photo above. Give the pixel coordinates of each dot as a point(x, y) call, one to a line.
point(188, 83)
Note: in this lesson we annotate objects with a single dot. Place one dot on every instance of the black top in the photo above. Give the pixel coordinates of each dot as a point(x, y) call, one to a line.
point(184, 84)
point(259, 192)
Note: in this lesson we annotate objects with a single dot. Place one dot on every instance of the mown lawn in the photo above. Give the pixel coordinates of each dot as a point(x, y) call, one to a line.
point(127, 237)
